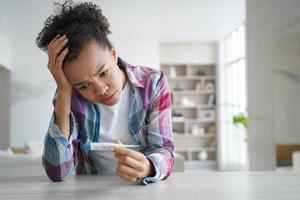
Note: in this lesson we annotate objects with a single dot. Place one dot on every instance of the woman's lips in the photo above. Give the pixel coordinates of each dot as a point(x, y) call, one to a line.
point(110, 99)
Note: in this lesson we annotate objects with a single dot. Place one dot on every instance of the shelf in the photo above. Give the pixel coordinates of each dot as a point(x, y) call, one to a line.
point(192, 92)
point(193, 107)
point(194, 121)
point(192, 149)
point(185, 65)
point(200, 121)
point(189, 135)
point(192, 78)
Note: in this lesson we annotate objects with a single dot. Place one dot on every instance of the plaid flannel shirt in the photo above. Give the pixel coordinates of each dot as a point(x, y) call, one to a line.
point(149, 122)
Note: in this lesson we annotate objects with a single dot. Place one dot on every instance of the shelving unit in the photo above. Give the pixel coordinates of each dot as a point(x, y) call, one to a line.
point(194, 113)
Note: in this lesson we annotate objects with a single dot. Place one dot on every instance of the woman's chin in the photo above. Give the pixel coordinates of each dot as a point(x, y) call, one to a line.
point(110, 102)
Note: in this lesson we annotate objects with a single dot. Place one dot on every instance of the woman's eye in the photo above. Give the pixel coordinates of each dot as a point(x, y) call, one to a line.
point(83, 87)
point(104, 73)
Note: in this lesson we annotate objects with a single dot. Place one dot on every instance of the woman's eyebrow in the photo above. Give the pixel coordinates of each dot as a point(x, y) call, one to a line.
point(98, 71)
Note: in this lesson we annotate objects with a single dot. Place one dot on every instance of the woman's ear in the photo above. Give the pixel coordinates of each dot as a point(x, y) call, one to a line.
point(114, 54)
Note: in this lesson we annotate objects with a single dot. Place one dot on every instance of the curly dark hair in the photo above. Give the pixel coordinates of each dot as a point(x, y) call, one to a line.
point(81, 22)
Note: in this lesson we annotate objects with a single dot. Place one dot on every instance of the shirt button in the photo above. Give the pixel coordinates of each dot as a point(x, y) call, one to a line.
point(69, 146)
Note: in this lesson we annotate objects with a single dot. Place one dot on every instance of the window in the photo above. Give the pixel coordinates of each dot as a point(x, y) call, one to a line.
point(234, 149)
point(235, 79)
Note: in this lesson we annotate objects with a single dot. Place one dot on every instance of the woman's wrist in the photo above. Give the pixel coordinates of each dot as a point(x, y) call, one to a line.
point(150, 169)
point(65, 91)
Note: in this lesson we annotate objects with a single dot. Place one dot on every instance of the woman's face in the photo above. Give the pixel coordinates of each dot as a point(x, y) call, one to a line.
point(96, 75)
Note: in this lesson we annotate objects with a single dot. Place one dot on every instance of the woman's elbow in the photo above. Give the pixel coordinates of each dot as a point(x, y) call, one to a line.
point(57, 173)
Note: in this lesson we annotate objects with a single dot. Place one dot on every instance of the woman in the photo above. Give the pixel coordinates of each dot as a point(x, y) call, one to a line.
point(101, 98)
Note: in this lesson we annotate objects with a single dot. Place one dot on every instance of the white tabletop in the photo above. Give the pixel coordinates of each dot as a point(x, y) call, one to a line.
point(30, 182)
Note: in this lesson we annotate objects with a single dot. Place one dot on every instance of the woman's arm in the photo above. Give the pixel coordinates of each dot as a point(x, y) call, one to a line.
point(63, 111)
point(58, 156)
point(58, 150)
point(160, 145)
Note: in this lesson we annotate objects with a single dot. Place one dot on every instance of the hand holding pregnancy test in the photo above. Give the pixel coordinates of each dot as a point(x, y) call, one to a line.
point(131, 164)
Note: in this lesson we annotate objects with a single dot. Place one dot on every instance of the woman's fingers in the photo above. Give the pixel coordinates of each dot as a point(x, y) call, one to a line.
point(52, 41)
point(61, 58)
point(54, 50)
point(53, 45)
point(126, 177)
point(127, 159)
point(130, 162)
point(57, 49)
point(128, 152)
point(124, 169)
point(57, 41)
point(56, 57)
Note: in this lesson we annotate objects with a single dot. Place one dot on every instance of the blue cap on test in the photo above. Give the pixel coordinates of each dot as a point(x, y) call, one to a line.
point(87, 146)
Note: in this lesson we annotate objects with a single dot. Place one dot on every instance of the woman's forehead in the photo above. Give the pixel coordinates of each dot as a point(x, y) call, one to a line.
point(93, 54)
point(89, 59)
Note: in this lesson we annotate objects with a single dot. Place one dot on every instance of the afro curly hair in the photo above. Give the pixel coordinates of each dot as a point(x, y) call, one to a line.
point(81, 23)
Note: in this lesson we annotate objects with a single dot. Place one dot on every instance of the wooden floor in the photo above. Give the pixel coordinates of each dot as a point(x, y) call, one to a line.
point(28, 181)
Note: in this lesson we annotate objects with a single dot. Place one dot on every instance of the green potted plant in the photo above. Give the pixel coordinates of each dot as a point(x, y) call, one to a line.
point(241, 119)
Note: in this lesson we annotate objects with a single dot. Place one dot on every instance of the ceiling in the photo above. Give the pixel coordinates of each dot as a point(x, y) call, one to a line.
point(172, 20)
point(167, 20)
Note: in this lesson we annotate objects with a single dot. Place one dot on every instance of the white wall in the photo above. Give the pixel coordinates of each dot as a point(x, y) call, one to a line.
point(286, 76)
point(5, 50)
point(192, 53)
point(138, 29)
point(266, 21)
point(31, 87)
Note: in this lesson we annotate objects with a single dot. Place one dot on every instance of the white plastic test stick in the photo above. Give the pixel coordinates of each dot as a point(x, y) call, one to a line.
point(104, 146)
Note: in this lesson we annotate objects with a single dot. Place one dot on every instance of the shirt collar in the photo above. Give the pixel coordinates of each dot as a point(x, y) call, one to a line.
point(133, 74)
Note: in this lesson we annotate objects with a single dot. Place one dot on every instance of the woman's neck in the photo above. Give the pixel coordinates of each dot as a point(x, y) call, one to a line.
point(124, 78)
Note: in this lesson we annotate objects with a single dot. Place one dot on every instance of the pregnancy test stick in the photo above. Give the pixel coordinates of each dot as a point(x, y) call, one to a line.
point(104, 146)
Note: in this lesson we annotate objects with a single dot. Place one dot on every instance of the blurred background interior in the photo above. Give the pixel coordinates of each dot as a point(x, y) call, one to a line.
point(233, 67)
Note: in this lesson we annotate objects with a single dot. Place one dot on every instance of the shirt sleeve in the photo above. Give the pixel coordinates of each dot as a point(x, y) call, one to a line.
point(160, 146)
point(58, 154)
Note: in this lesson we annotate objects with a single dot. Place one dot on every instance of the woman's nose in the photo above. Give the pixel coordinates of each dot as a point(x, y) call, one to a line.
point(100, 89)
